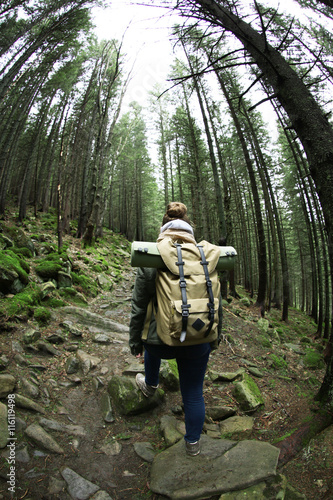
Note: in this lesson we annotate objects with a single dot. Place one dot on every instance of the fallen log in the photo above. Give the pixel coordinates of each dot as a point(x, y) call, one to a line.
point(296, 441)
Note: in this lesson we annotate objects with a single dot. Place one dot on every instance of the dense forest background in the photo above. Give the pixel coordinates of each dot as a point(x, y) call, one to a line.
point(240, 70)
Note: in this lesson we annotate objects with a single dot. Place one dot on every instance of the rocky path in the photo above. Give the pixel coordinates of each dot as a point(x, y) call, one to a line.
point(74, 438)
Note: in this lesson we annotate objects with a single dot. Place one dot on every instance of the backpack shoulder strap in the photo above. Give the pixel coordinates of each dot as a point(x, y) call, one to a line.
point(182, 284)
point(210, 304)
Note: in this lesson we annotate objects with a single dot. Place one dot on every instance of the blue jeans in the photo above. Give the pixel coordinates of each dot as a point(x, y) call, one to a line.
point(192, 363)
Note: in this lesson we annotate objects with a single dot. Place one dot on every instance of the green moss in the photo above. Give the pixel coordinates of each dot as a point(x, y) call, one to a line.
point(173, 367)
point(48, 269)
point(53, 302)
point(313, 359)
point(22, 303)
point(264, 341)
point(278, 362)
point(252, 386)
point(10, 262)
point(72, 295)
point(87, 285)
point(23, 252)
point(67, 292)
point(97, 268)
point(42, 315)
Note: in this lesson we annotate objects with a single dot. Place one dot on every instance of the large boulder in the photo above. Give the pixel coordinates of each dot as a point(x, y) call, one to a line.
point(222, 466)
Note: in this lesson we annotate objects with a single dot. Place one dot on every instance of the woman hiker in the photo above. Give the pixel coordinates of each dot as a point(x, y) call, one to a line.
point(191, 359)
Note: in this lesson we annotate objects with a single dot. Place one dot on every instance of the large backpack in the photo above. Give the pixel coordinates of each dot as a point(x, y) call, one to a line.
point(187, 293)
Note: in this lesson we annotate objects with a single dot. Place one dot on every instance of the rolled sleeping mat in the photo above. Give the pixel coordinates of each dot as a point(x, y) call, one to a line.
point(146, 254)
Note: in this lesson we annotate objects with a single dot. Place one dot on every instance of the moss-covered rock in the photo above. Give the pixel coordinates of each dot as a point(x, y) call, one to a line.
point(22, 304)
point(42, 315)
point(85, 283)
point(13, 272)
point(169, 375)
point(248, 394)
point(129, 399)
point(48, 270)
point(19, 238)
point(313, 360)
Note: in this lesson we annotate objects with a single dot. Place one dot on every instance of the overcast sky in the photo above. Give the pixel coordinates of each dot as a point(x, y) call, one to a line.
point(146, 32)
point(146, 42)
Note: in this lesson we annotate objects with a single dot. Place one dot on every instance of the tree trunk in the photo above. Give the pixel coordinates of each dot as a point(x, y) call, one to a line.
point(312, 127)
point(262, 257)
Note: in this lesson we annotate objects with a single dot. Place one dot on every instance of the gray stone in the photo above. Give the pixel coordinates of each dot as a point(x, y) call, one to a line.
point(78, 487)
point(53, 425)
point(241, 426)
point(168, 378)
point(4, 362)
point(134, 368)
point(16, 347)
point(64, 280)
point(106, 408)
point(72, 365)
point(219, 412)
point(47, 288)
point(21, 360)
point(103, 282)
point(248, 394)
point(145, 451)
point(28, 404)
point(7, 384)
point(42, 438)
point(296, 348)
point(168, 426)
point(71, 328)
point(102, 338)
point(20, 424)
point(263, 325)
point(101, 495)
point(246, 362)
point(222, 466)
point(87, 361)
point(16, 286)
point(56, 486)
point(29, 388)
point(3, 425)
point(22, 454)
point(129, 399)
point(112, 449)
point(213, 430)
point(55, 338)
point(255, 372)
point(48, 348)
point(97, 383)
point(226, 376)
point(89, 318)
point(31, 335)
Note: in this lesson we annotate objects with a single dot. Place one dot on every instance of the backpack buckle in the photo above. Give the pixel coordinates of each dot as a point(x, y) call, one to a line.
point(185, 310)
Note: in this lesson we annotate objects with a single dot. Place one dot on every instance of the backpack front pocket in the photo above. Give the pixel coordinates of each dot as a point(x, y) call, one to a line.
point(199, 320)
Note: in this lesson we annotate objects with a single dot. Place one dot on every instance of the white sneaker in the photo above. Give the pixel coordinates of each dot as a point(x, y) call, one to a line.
point(147, 390)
